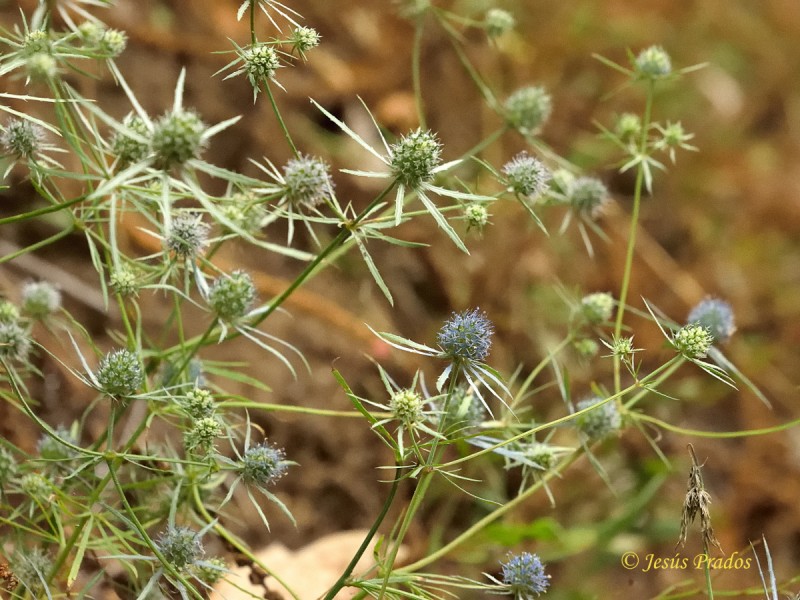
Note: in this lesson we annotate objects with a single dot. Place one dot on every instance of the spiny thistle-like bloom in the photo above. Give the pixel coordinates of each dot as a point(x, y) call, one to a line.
point(112, 43)
point(9, 313)
point(120, 373)
point(8, 466)
point(198, 403)
point(463, 409)
point(414, 158)
point(177, 137)
point(542, 455)
point(41, 66)
point(587, 196)
point(91, 32)
point(476, 215)
point(180, 546)
point(263, 465)
point(188, 235)
point(653, 63)
point(124, 281)
point(597, 307)
point(526, 175)
point(127, 149)
point(202, 435)
point(210, 571)
point(40, 299)
point(693, 341)
point(52, 449)
point(599, 422)
point(260, 63)
point(715, 315)
point(15, 341)
point(466, 336)
point(304, 39)
point(21, 138)
point(231, 296)
point(407, 406)
point(524, 575)
point(307, 181)
point(497, 21)
point(31, 568)
point(528, 108)
point(36, 486)
point(37, 41)
point(628, 126)
point(586, 347)
point(622, 347)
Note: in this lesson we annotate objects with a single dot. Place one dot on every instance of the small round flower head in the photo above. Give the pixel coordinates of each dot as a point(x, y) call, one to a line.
point(202, 435)
point(693, 341)
point(463, 409)
point(127, 149)
point(112, 43)
point(51, 449)
point(715, 315)
point(597, 307)
point(15, 341)
point(528, 108)
point(653, 63)
point(587, 196)
point(526, 175)
point(623, 347)
point(541, 455)
point(119, 373)
point(586, 347)
point(177, 137)
point(91, 32)
point(124, 281)
point(304, 39)
point(188, 235)
point(21, 138)
point(9, 313)
point(628, 126)
point(476, 215)
point(181, 547)
point(307, 181)
point(498, 22)
point(260, 63)
point(263, 465)
point(560, 183)
point(524, 575)
point(466, 336)
point(8, 466)
point(41, 66)
point(414, 158)
point(36, 41)
point(36, 486)
point(40, 299)
point(198, 403)
point(407, 406)
point(231, 296)
point(31, 568)
point(599, 422)
point(210, 571)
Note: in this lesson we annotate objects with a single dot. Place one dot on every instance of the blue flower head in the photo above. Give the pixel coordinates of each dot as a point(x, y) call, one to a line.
point(466, 336)
point(524, 575)
point(716, 316)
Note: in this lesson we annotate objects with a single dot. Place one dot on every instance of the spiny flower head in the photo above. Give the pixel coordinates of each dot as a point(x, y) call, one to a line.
point(198, 403)
point(31, 568)
point(9, 313)
point(693, 340)
point(587, 196)
point(112, 43)
point(36, 486)
point(526, 175)
point(476, 215)
point(414, 158)
point(497, 21)
point(542, 455)
point(231, 296)
point(41, 66)
point(52, 449)
point(653, 63)
point(524, 576)
point(91, 32)
point(21, 138)
point(15, 341)
point(528, 108)
point(715, 315)
point(263, 465)
point(202, 435)
point(177, 137)
point(599, 422)
point(40, 299)
point(124, 281)
point(304, 39)
point(407, 406)
point(180, 546)
point(597, 307)
point(461, 410)
point(628, 126)
point(210, 571)
point(260, 63)
point(466, 336)
point(128, 149)
point(119, 373)
point(8, 465)
point(36, 41)
point(188, 235)
point(307, 181)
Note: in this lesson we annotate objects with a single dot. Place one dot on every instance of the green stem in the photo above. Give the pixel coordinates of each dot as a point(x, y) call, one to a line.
point(42, 211)
point(40, 244)
point(281, 122)
point(416, 78)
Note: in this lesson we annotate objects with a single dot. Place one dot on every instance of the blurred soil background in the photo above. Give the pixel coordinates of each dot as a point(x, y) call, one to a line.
point(724, 221)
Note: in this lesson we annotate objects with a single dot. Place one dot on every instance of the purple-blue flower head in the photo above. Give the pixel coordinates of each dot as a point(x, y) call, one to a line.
point(524, 575)
point(466, 336)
